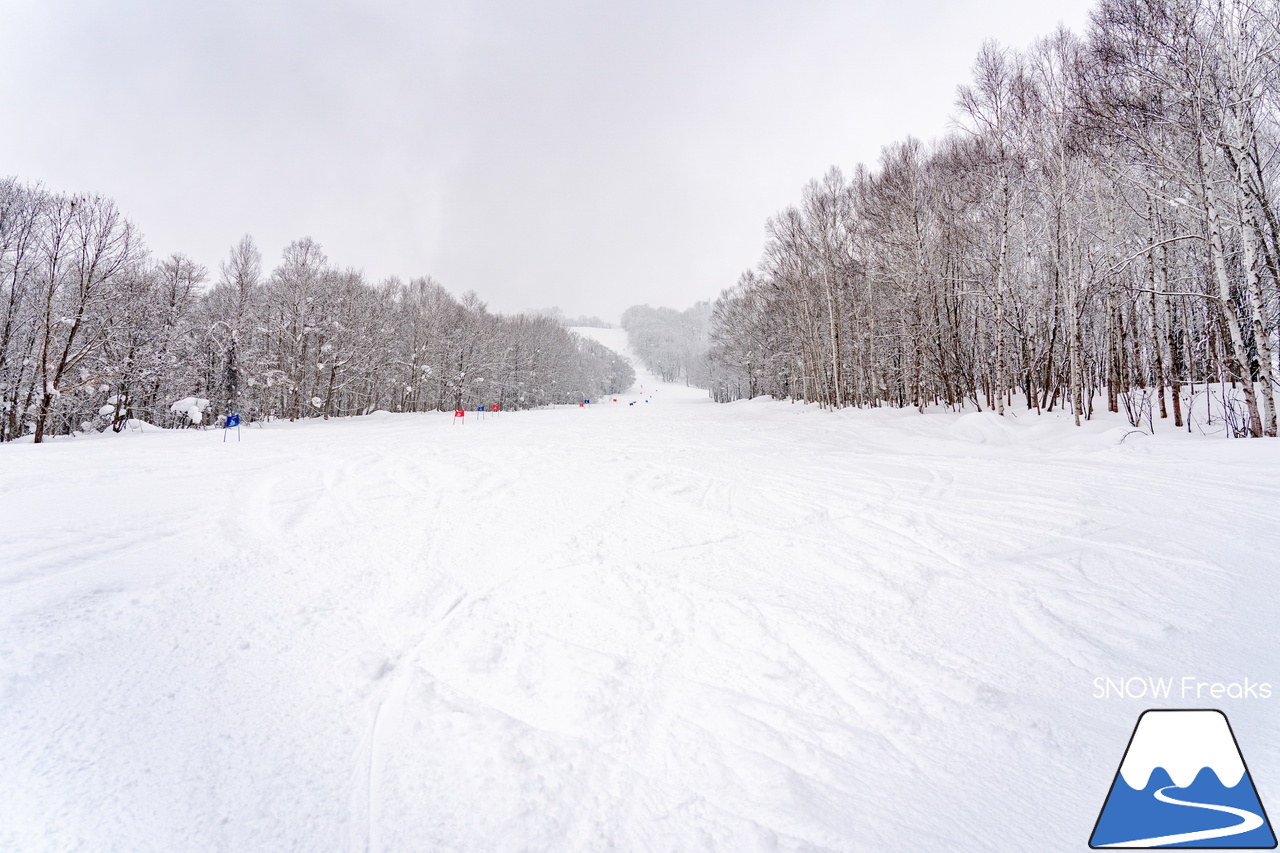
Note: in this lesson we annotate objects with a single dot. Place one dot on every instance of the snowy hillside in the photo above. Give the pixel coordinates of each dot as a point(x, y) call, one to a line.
point(648, 386)
point(649, 627)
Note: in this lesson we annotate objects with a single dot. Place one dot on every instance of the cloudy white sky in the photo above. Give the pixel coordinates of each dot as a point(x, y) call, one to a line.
point(590, 155)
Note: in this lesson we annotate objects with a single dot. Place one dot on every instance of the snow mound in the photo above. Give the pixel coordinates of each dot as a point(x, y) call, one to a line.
point(983, 428)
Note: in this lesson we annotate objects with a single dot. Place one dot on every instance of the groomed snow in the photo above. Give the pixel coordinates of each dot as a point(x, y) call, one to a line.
point(660, 627)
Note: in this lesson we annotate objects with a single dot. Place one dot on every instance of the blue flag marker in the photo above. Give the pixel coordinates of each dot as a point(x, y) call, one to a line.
point(232, 421)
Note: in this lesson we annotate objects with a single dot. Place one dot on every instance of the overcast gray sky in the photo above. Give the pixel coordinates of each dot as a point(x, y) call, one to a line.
point(590, 155)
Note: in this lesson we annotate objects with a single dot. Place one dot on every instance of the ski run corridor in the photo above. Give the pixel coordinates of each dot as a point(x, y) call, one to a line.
point(668, 626)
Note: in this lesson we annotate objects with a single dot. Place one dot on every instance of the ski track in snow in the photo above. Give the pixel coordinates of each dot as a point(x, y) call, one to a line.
point(673, 626)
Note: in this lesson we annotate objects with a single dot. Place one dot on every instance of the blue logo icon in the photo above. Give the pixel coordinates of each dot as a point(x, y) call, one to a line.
point(1183, 783)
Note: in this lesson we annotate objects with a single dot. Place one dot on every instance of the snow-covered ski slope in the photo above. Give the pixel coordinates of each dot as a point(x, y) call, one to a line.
point(673, 626)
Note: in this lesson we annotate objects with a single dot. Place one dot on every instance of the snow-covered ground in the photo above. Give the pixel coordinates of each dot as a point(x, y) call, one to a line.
point(668, 626)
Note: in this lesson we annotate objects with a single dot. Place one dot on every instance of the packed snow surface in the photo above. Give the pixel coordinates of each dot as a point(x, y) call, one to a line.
point(667, 626)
